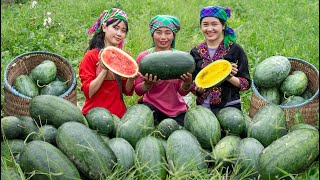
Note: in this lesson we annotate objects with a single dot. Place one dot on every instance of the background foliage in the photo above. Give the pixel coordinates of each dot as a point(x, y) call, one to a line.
point(264, 28)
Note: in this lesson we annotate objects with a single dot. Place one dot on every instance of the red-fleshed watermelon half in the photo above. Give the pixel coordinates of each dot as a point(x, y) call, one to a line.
point(119, 61)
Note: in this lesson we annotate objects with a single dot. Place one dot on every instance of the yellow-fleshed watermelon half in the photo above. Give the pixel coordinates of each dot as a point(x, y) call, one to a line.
point(213, 74)
point(119, 61)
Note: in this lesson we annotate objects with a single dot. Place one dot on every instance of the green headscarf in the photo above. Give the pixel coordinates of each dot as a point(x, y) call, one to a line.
point(167, 21)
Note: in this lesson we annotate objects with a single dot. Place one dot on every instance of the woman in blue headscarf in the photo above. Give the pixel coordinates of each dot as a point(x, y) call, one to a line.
point(220, 43)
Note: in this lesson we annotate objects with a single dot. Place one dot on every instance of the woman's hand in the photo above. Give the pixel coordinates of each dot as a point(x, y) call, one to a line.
point(199, 89)
point(187, 81)
point(149, 80)
point(234, 70)
point(186, 78)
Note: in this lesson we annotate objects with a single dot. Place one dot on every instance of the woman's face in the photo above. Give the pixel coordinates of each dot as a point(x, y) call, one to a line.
point(212, 28)
point(115, 33)
point(163, 38)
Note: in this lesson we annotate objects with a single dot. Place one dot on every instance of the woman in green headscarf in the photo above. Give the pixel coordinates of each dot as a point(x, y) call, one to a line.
point(164, 97)
point(220, 43)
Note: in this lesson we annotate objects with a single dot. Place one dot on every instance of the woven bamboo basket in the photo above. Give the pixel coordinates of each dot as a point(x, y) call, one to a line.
point(309, 109)
point(17, 104)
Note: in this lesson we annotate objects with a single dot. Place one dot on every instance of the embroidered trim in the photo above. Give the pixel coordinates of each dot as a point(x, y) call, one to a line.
point(204, 54)
point(244, 84)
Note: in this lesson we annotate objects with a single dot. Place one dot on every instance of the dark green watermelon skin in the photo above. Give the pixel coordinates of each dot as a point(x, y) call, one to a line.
point(249, 151)
point(29, 127)
point(292, 101)
point(124, 152)
point(94, 158)
point(183, 150)
point(269, 124)
point(204, 125)
point(166, 127)
point(167, 64)
point(294, 84)
point(292, 153)
point(150, 156)
point(101, 120)
point(302, 126)
point(227, 150)
point(41, 156)
point(44, 73)
point(272, 94)
point(47, 133)
point(14, 146)
point(271, 71)
point(136, 123)
point(307, 94)
point(54, 110)
point(11, 127)
point(56, 88)
point(26, 86)
point(232, 120)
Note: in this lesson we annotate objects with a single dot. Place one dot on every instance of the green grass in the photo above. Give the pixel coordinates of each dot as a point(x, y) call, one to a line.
point(264, 28)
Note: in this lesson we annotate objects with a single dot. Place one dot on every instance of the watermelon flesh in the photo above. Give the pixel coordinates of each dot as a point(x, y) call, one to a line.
point(119, 62)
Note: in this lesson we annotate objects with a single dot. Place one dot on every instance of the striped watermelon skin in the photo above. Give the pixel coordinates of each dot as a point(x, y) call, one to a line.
point(302, 126)
point(269, 124)
point(294, 84)
point(271, 71)
point(226, 151)
point(292, 100)
point(136, 123)
point(232, 120)
point(167, 64)
point(29, 128)
point(54, 110)
point(41, 156)
point(124, 153)
point(14, 146)
point(292, 153)
point(101, 120)
point(249, 151)
point(204, 125)
point(85, 148)
point(44, 73)
point(150, 158)
point(56, 88)
point(46, 133)
point(184, 151)
point(271, 94)
point(11, 127)
point(26, 86)
point(166, 127)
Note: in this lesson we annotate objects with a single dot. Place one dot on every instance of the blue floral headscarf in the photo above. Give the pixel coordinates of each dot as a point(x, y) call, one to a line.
point(223, 14)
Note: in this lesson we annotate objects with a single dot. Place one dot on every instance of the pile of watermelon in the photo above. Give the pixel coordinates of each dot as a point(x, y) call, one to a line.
point(58, 141)
point(42, 79)
point(279, 84)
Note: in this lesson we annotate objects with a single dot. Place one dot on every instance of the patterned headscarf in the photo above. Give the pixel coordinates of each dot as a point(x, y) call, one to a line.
point(167, 21)
point(223, 14)
point(106, 16)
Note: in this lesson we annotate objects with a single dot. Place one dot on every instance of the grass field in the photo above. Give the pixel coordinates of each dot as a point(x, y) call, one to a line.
point(264, 28)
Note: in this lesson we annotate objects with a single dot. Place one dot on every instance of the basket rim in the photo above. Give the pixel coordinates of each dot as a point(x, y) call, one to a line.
point(294, 106)
point(15, 92)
